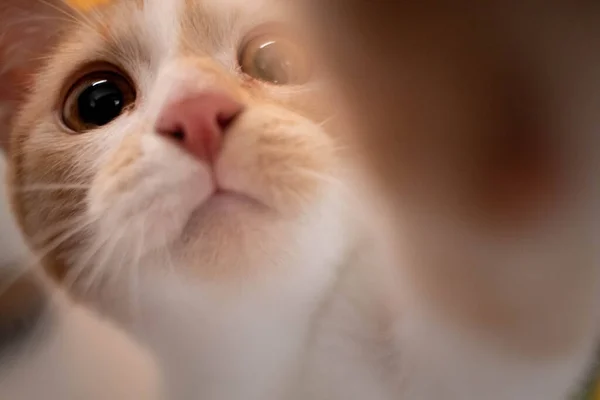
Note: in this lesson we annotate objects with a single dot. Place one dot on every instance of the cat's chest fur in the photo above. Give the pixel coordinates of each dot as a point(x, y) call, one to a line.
point(242, 346)
point(241, 339)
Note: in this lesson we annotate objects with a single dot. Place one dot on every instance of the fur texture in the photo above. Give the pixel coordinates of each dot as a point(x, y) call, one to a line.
point(51, 348)
point(217, 268)
point(256, 276)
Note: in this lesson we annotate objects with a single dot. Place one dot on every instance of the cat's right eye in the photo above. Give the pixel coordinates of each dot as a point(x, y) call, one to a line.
point(275, 58)
point(97, 99)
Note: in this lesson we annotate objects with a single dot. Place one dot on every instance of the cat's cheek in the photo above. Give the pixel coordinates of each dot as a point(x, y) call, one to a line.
point(148, 192)
point(279, 158)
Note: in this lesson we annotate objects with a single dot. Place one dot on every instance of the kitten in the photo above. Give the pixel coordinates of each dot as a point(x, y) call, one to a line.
point(52, 349)
point(177, 153)
point(182, 140)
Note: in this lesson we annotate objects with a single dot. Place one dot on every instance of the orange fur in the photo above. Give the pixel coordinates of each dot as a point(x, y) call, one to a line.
point(38, 140)
point(475, 256)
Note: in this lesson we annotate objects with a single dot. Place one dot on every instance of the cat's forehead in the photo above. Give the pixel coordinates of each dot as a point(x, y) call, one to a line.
point(138, 32)
point(195, 20)
point(180, 9)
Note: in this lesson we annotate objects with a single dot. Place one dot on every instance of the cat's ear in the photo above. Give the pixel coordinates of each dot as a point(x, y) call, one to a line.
point(27, 29)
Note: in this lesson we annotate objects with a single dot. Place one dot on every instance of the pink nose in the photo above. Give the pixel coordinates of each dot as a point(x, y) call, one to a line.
point(198, 122)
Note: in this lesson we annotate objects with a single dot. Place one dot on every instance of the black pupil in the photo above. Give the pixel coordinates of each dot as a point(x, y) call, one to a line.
point(100, 103)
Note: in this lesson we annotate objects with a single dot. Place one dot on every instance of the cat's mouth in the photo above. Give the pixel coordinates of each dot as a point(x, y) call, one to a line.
point(221, 195)
point(223, 203)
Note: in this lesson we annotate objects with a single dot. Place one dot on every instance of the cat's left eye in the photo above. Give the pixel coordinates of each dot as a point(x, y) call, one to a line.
point(275, 59)
point(97, 99)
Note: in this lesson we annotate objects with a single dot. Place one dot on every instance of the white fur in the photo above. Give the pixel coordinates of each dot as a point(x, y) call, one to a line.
point(162, 20)
point(249, 336)
point(12, 244)
point(245, 338)
point(72, 354)
point(240, 337)
point(251, 332)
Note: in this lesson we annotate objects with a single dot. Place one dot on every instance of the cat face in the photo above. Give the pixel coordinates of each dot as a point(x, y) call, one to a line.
point(190, 133)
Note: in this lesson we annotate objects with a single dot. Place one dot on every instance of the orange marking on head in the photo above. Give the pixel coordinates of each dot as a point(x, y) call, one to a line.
point(86, 5)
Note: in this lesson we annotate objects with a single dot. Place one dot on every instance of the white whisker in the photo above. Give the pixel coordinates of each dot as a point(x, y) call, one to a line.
point(64, 12)
point(313, 174)
point(84, 262)
point(52, 187)
point(168, 255)
point(100, 267)
point(327, 120)
point(57, 228)
point(62, 239)
point(118, 267)
point(299, 89)
point(40, 254)
point(134, 272)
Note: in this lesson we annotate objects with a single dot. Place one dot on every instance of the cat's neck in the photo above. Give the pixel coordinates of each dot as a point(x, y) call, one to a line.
point(203, 329)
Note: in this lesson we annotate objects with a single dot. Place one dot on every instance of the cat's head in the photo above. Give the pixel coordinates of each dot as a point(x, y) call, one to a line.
point(191, 133)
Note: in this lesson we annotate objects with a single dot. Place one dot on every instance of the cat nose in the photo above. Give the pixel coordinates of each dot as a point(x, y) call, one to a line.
point(198, 123)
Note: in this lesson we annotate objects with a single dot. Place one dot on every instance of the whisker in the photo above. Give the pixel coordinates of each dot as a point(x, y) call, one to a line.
point(168, 255)
point(9, 280)
point(109, 252)
point(99, 268)
point(87, 19)
point(313, 174)
point(134, 272)
point(170, 263)
point(120, 265)
point(52, 187)
point(84, 262)
point(62, 11)
point(39, 255)
point(297, 90)
point(327, 120)
point(56, 228)
point(92, 18)
point(54, 244)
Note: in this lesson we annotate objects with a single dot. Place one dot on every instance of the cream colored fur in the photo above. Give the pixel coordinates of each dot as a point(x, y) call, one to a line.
point(291, 287)
point(71, 353)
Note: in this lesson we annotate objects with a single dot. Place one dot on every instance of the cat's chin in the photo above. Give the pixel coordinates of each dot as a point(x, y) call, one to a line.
point(222, 208)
